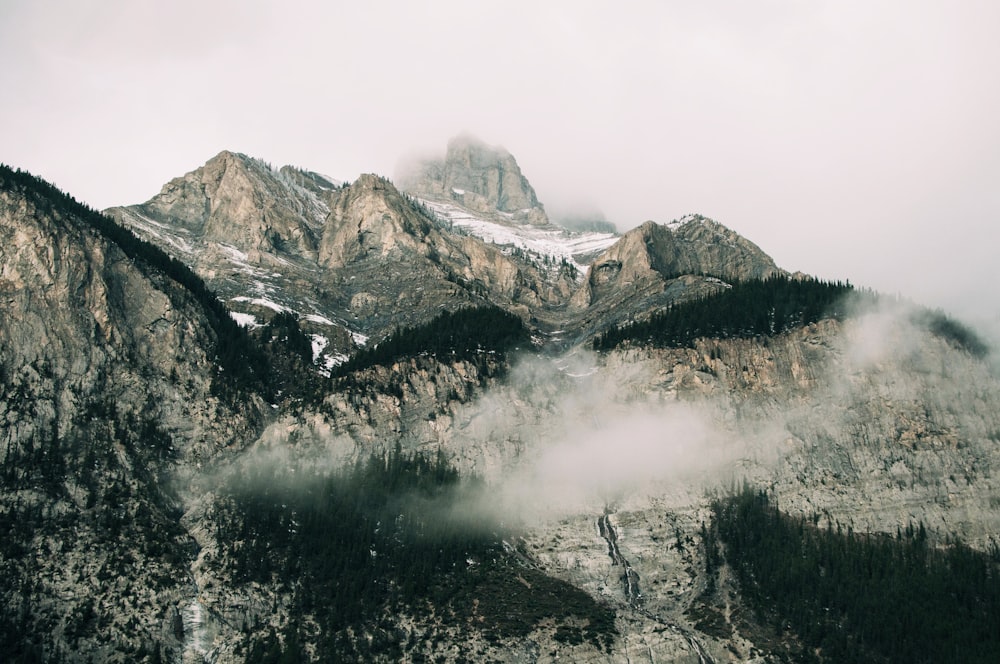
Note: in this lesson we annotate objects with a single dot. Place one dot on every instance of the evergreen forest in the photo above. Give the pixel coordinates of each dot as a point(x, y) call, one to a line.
point(463, 334)
point(852, 597)
point(390, 534)
point(757, 307)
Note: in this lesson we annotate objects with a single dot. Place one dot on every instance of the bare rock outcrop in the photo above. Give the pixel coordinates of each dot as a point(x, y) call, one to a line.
point(657, 253)
point(371, 219)
point(242, 202)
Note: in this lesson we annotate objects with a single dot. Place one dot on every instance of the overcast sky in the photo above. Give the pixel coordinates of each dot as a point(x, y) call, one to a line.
point(854, 140)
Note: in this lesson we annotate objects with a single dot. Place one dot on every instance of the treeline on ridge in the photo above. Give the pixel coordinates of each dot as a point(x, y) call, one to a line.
point(242, 363)
point(388, 535)
point(460, 334)
point(960, 335)
point(854, 597)
point(757, 307)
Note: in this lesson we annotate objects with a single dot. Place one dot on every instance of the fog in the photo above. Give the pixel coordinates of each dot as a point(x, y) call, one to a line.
point(565, 435)
point(848, 140)
point(873, 422)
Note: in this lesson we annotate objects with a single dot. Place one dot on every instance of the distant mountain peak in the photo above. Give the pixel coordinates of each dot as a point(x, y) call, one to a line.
point(466, 139)
point(478, 176)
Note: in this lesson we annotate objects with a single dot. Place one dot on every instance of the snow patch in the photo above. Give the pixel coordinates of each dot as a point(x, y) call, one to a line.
point(718, 282)
point(233, 253)
point(162, 232)
point(319, 343)
point(325, 362)
point(332, 181)
point(261, 302)
point(316, 318)
point(244, 320)
point(557, 244)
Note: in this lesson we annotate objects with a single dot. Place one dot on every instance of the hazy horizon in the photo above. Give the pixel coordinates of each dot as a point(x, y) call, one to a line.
point(847, 140)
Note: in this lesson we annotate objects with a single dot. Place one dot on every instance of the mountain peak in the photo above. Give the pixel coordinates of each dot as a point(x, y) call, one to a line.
point(371, 181)
point(370, 218)
point(480, 177)
point(228, 158)
point(465, 140)
point(238, 201)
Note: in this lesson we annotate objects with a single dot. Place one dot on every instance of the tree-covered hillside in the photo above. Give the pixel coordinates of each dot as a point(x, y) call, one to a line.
point(462, 334)
point(853, 597)
point(745, 309)
point(391, 534)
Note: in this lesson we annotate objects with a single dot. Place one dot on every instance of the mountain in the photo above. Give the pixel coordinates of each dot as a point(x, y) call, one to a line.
point(289, 240)
point(479, 177)
point(266, 416)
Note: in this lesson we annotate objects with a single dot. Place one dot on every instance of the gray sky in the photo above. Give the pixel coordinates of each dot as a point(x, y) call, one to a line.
point(848, 139)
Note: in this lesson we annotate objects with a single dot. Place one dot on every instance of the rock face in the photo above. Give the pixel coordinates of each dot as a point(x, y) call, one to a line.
point(107, 406)
point(390, 258)
point(655, 265)
point(479, 177)
point(658, 253)
point(236, 222)
point(370, 219)
point(290, 240)
point(239, 201)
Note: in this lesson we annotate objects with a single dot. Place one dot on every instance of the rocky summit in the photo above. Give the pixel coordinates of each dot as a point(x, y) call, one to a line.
point(270, 416)
point(479, 177)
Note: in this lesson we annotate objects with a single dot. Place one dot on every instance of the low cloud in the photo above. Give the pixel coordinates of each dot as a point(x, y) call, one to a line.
point(877, 405)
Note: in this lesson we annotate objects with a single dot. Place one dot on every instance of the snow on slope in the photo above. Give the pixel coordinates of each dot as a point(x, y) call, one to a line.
point(174, 237)
point(264, 287)
point(556, 243)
